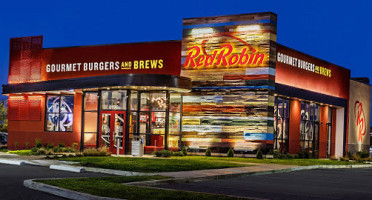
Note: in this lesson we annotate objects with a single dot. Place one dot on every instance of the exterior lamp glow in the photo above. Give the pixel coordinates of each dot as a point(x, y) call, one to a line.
point(198, 31)
point(254, 27)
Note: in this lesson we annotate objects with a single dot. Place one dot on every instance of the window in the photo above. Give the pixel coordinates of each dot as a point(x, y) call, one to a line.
point(281, 124)
point(90, 118)
point(114, 100)
point(309, 127)
point(59, 112)
point(175, 103)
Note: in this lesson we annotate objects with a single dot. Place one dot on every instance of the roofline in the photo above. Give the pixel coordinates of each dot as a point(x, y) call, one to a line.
point(313, 57)
point(114, 44)
point(268, 12)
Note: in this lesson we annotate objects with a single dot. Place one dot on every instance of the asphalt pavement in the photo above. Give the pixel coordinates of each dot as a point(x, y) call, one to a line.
point(12, 177)
point(306, 184)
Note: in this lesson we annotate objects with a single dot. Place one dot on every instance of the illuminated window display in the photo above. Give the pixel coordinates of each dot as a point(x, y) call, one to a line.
point(281, 124)
point(309, 129)
point(155, 115)
point(59, 113)
point(90, 118)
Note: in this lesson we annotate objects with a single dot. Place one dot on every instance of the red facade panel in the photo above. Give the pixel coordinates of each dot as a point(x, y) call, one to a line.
point(23, 108)
point(25, 59)
point(302, 71)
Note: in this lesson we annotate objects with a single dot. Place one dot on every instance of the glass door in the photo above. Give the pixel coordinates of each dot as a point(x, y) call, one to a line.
point(112, 131)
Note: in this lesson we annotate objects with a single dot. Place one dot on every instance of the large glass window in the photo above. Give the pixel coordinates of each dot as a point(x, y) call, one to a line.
point(59, 112)
point(175, 104)
point(281, 124)
point(309, 127)
point(114, 100)
point(90, 119)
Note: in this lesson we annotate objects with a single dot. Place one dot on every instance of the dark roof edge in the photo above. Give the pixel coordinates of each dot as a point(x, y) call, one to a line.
point(312, 56)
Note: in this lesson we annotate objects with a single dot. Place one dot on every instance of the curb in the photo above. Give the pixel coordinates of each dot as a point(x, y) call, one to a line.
point(70, 194)
point(12, 162)
point(225, 176)
point(67, 168)
point(114, 172)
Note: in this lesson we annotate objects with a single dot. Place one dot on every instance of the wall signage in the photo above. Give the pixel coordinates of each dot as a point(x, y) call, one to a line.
point(89, 61)
point(223, 57)
point(308, 66)
point(359, 117)
point(105, 66)
point(360, 120)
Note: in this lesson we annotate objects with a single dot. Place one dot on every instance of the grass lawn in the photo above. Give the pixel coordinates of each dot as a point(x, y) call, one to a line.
point(113, 187)
point(152, 164)
point(300, 162)
point(22, 152)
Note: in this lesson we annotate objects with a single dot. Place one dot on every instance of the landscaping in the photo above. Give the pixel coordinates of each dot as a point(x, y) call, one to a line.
point(152, 164)
point(113, 187)
point(299, 162)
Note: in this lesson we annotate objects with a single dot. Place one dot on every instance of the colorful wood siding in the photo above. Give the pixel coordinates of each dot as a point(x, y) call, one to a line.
point(231, 61)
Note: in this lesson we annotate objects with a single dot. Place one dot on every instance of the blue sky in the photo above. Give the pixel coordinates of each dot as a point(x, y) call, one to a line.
point(336, 31)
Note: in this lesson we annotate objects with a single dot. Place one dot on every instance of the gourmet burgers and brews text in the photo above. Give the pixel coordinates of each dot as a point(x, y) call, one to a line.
point(105, 66)
point(295, 62)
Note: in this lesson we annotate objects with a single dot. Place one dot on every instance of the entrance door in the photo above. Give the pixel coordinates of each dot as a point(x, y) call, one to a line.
point(111, 131)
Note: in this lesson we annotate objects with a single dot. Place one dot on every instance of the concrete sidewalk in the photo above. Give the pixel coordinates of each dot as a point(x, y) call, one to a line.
point(252, 168)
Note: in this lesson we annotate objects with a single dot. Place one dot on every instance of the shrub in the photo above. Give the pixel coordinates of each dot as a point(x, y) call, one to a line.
point(358, 158)
point(16, 145)
point(163, 153)
point(291, 156)
point(178, 153)
point(38, 143)
point(75, 145)
point(283, 156)
point(349, 155)
point(344, 158)
point(306, 154)
point(56, 149)
point(276, 153)
point(259, 154)
point(49, 152)
point(34, 149)
point(102, 151)
point(41, 151)
point(27, 145)
point(208, 152)
point(184, 150)
point(49, 146)
point(230, 153)
point(70, 150)
point(61, 145)
point(362, 154)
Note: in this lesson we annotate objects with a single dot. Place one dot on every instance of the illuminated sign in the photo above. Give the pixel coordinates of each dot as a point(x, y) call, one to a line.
point(223, 57)
point(105, 66)
point(295, 62)
point(360, 120)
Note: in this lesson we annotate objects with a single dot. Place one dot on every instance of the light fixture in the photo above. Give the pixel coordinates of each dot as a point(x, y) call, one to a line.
point(244, 28)
point(198, 31)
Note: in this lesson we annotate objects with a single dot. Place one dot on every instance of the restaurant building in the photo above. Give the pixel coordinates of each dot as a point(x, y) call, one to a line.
point(227, 84)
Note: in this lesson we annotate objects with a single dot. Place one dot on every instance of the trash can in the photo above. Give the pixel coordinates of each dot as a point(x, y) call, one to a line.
point(137, 145)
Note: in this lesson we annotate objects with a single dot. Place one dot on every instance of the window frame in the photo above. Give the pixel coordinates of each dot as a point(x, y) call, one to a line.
point(59, 112)
point(313, 122)
point(282, 118)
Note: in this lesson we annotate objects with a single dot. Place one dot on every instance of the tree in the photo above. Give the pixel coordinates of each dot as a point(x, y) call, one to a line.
point(3, 117)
